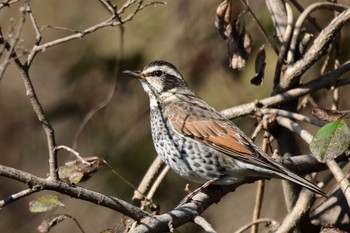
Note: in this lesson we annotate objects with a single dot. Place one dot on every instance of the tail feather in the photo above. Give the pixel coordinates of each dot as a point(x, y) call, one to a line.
point(291, 176)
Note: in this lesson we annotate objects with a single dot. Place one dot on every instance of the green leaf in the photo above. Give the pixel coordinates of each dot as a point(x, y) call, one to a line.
point(330, 141)
point(45, 203)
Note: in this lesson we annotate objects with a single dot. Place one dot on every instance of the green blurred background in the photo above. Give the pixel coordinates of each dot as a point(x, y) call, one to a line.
point(72, 78)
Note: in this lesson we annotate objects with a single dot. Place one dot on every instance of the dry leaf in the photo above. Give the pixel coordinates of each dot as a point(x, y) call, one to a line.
point(239, 45)
point(48, 223)
point(76, 171)
point(259, 67)
point(327, 114)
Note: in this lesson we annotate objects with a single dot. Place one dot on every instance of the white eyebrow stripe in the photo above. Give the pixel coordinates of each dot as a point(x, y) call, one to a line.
point(165, 69)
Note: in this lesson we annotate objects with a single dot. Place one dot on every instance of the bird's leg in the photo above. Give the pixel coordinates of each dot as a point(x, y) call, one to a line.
point(197, 190)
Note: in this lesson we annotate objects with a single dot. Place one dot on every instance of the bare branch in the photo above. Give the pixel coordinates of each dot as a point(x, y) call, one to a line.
point(325, 81)
point(285, 45)
point(63, 147)
point(202, 222)
point(292, 115)
point(261, 187)
point(7, 3)
point(19, 195)
point(186, 212)
point(267, 221)
point(260, 27)
point(11, 46)
point(301, 19)
point(294, 72)
point(341, 179)
point(75, 192)
point(295, 128)
point(301, 208)
point(38, 35)
point(149, 178)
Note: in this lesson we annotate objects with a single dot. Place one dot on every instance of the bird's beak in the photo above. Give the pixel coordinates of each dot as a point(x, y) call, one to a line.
point(136, 74)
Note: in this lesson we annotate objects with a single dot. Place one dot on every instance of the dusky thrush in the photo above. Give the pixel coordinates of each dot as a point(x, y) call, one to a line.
point(198, 142)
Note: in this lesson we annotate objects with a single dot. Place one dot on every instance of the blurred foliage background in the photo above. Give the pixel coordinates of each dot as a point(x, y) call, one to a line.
point(72, 78)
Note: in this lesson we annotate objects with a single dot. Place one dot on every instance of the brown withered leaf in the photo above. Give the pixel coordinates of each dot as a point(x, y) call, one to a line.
point(259, 67)
point(327, 114)
point(51, 221)
point(222, 18)
point(76, 171)
point(239, 45)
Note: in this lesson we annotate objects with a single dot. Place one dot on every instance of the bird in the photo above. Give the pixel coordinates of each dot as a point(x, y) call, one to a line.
point(197, 141)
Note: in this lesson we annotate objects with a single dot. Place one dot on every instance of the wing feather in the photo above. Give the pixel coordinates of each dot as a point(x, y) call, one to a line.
point(221, 134)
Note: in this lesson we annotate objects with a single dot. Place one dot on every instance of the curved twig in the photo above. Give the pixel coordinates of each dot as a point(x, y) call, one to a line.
point(319, 46)
point(325, 81)
point(303, 16)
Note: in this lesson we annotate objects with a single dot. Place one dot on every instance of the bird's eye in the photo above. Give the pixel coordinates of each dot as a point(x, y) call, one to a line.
point(158, 73)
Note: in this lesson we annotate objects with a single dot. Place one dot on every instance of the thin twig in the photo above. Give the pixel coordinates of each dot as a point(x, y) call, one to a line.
point(38, 35)
point(157, 182)
point(295, 128)
point(309, 18)
point(39, 111)
point(76, 153)
point(267, 221)
point(113, 21)
point(260, 189)
point(202, 222)
point(292, 115)
point(340, 178)
point(257, 130)
point(108, 5)
point(106, 100)
point(301, 19)
point(285, 46)
point(314, 53)
point(75, 192)
point(76, 222)
point(11, 46)
point(301, 208)
point(7, 3)
point(325, 81)
point(148, 179)
point(260, 27)
point(19, 195)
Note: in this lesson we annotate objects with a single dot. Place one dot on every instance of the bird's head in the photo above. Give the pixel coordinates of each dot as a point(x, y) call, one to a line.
point(159, 78)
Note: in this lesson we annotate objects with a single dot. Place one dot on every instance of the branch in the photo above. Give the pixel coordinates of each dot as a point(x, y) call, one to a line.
point(267, 221)
point(303, 17)
point(74, 191)
point(19, 195)
point(319, 46)
point(301, 208)
point(7, 3)
point(325, 81)
point(210, 195)
point(10, 47)
point(341, 179)
point(186, 212)
point(149, 178)
point(292, 115)
point(200, 221)
point(113, 21)
point(39, 111)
